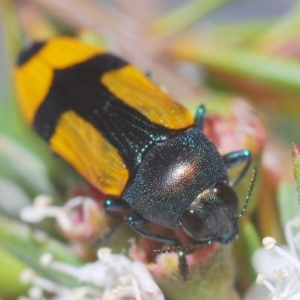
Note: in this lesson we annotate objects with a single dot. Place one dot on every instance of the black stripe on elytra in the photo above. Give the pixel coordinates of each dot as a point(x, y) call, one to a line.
point(29, 51)
point(78, 88)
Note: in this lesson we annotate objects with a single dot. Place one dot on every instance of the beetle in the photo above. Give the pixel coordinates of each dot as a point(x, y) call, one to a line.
point(130, 140)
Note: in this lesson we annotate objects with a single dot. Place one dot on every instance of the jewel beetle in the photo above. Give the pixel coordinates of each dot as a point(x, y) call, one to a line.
point(130, 140)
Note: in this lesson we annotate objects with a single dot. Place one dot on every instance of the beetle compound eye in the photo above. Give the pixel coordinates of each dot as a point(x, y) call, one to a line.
point(194, 227)
point(226, 193)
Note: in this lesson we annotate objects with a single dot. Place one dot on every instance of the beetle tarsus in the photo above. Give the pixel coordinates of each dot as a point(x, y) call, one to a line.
point(183, 266)
point(182, 263)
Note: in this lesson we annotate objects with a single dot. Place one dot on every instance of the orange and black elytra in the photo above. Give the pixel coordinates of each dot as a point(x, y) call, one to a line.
point(132, 141)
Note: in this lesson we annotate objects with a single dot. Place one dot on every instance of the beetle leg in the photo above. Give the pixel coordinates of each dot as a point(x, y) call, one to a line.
point(235, 158)
point(135, 221)
point(183, 266)
point(116, 209)
point(200, 117)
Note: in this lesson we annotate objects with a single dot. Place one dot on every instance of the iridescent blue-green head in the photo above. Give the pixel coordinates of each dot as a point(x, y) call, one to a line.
point(213, 215)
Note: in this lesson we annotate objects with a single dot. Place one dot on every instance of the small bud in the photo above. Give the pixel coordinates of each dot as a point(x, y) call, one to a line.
point(278, 273)
point(42, 201)
point(46, 259)
point(260, 279)
point(269, 242)
point(35, 293)
point(103, 253)
point(27, 276)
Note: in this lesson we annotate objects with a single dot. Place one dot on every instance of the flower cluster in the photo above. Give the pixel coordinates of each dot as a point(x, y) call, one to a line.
point(81, 218)
point(281, 268)
point(112, 276)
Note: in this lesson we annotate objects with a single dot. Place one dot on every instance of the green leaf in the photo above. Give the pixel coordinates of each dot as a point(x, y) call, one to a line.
point(285, 29)
point(20, 166)
point(296, 166)
point(184, 16)
point(287, 203)
point(24, 244)
point(274, 71)
point(10, 286)
point(248, 242)
point(240, 31)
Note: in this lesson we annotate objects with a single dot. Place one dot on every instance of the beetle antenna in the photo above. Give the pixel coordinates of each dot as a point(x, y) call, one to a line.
point(240, 215)
point(182, 248)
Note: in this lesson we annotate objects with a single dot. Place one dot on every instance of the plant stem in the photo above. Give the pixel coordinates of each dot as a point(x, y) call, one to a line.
point(273, 71)
point(183, 17)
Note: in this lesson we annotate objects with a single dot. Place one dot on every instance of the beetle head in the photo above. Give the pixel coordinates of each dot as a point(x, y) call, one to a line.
point(213, 215)
point(201, 216)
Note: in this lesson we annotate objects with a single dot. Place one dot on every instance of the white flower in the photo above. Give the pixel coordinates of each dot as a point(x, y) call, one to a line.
point(81, 218)
point(112, 276)
point(280, 266)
